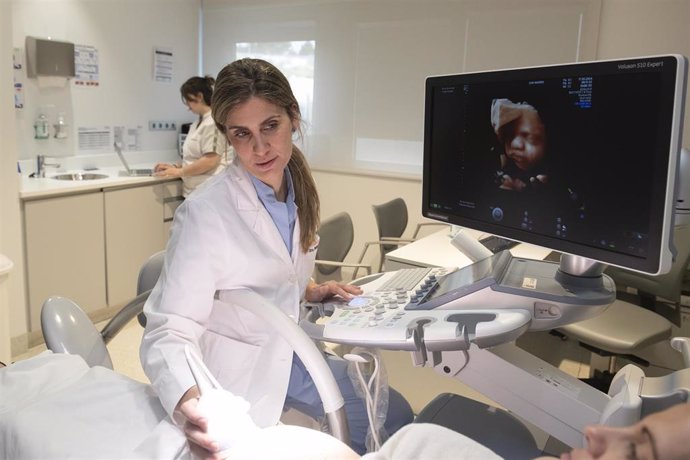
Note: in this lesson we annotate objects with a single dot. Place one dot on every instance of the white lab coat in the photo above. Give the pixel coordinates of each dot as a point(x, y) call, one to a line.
point(223, 238)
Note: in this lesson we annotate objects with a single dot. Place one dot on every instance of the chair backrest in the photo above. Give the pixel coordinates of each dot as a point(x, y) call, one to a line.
point(148, 277)
point(667, 286)
point(391, 220)
point(150, 272)
point(67, 329)
point(336, 235)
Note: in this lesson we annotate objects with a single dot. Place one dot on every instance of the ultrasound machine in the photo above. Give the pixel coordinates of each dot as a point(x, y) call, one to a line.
point(609, 171)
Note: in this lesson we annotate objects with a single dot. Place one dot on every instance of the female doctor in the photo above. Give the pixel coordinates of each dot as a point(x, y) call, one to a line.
point(205, 151)
point(252, 227)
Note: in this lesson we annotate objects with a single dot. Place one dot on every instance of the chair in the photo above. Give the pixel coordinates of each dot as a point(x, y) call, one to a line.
point(148, 277)
point(68, 329)
point(391, 222)
point(618, 332)
point(336, 236)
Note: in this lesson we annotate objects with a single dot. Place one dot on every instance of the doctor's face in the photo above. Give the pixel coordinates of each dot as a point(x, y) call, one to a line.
point(261, 134)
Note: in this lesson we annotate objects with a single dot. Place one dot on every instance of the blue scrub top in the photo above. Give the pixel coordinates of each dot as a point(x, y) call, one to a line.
point(283, 214)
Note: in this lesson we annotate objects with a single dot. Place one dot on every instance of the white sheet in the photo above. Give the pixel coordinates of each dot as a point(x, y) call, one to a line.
point(55, 406)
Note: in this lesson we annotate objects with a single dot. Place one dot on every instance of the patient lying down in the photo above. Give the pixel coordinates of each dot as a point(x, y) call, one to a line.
point(87, 412)
point(660, 436)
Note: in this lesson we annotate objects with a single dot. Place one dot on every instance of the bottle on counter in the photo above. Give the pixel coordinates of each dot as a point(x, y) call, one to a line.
point(41, 127)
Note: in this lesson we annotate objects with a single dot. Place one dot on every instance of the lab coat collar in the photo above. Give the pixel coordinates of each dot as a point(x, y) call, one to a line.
point(255, 215)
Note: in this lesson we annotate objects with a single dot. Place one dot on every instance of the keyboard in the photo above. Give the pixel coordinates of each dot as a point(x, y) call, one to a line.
point(405, 280)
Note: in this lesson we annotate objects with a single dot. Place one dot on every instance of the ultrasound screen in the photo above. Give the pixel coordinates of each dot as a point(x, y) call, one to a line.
point(572, 157)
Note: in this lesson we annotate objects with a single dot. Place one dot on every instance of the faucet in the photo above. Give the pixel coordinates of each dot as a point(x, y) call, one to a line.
point(41, 166)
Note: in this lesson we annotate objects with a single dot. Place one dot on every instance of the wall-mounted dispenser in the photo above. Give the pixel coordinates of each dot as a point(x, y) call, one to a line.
point(41, 127)
point(61, 127)
point(50, 58)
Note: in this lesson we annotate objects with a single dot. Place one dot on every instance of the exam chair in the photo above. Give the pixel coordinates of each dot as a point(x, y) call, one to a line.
point(391, 222)
point(336, 235)
point(68, 329)
point(148, 277)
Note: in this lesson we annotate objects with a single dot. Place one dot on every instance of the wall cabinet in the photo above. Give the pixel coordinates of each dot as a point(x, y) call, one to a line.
point(90, 247)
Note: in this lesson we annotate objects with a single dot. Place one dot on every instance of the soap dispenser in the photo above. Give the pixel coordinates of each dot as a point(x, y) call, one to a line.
point(61, 127)
point(41, 127)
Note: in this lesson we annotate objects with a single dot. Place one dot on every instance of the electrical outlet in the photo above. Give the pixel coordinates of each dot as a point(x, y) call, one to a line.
point(164, 125)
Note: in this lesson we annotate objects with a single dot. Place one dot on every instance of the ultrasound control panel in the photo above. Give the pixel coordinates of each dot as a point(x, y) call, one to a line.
point(385, 316)
point(490, 302)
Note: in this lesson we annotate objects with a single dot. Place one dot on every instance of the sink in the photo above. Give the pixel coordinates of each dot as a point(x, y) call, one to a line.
point(80, 176)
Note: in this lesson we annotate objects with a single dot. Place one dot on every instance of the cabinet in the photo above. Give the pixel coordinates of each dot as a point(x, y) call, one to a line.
point(64, 252)
point(89, 247)
point(137, 223)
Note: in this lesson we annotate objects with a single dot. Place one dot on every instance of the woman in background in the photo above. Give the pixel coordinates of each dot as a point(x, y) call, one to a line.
point(205, 151)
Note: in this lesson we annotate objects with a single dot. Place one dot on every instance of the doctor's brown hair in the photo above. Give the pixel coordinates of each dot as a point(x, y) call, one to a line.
point(243, 79)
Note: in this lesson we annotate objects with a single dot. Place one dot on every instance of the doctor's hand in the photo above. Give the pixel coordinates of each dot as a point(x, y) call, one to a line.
point(318, 292)
point(196, 427)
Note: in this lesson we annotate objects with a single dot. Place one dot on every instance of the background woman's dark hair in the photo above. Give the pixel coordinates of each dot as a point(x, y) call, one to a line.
point(196, 85)
point(246, 78)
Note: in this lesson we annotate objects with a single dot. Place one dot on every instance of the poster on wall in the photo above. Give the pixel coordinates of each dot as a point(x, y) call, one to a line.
point(18, 66)
point(162, 64)
point(129, 137)
point(86, 73)
point(94, 139)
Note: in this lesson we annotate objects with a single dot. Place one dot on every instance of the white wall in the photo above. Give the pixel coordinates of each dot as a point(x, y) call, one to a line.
point(125, 33)
point(372, 57)
point(10, 228)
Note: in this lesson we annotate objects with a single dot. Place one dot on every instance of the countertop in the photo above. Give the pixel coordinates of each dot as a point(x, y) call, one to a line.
point(31, 188)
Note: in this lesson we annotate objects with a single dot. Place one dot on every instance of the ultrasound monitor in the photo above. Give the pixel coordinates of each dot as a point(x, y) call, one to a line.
point(580, 158)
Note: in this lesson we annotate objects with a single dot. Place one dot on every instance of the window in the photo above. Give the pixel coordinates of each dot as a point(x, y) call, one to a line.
point(295, 59)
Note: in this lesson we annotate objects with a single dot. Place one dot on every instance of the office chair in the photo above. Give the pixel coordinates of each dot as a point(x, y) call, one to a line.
point(391, 222)
point(336, 235)
point(148, 277)
point(68, 329)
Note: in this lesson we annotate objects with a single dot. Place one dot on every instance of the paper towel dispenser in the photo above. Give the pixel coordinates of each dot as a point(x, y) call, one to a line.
point(49, 58)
